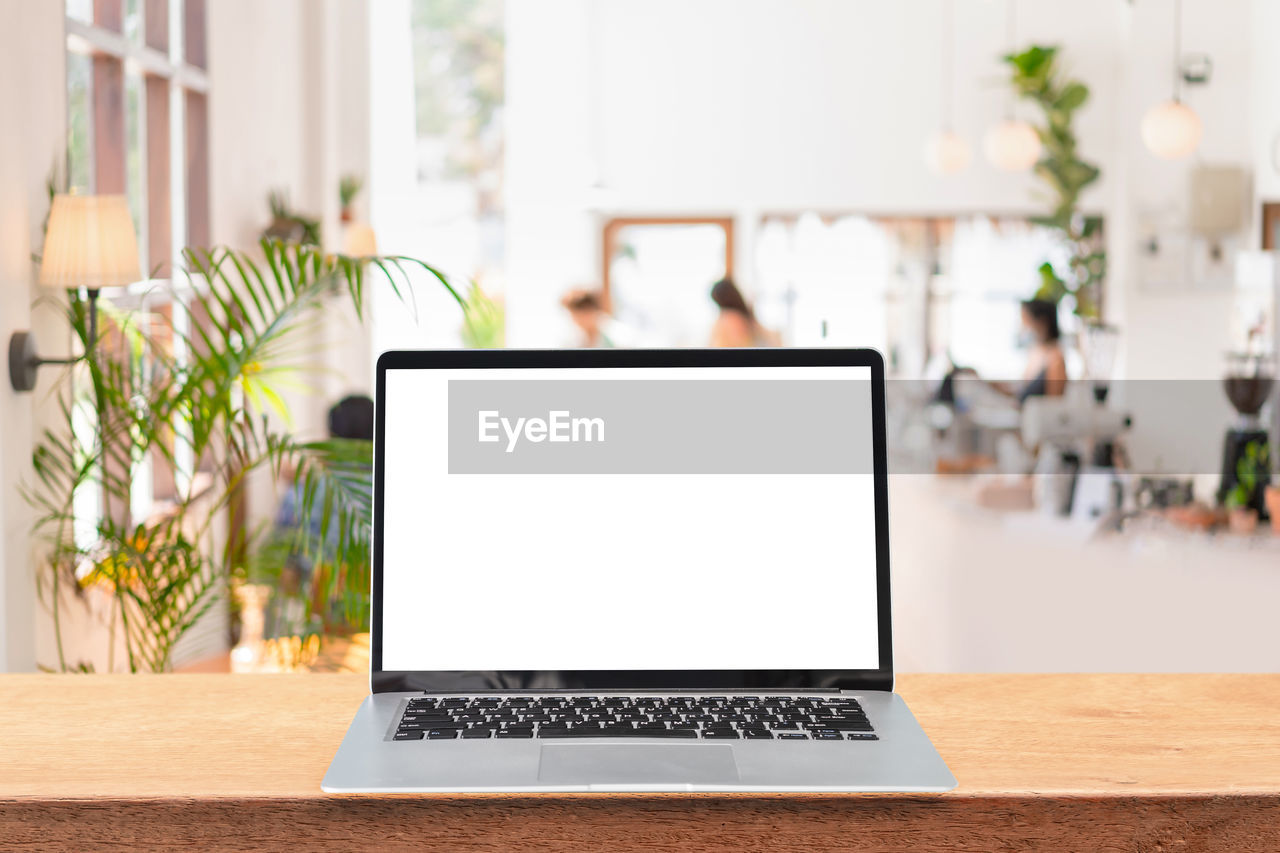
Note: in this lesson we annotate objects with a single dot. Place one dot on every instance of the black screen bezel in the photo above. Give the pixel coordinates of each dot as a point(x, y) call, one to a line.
point(881, 678)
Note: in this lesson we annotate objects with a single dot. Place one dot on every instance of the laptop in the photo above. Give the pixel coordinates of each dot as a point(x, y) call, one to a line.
point(632, 570)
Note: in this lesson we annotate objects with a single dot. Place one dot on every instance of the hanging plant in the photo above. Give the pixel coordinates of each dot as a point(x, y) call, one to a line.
point(1037, 76)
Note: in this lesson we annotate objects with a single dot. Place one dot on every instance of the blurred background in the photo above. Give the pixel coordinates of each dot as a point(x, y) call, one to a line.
point(1057, 221)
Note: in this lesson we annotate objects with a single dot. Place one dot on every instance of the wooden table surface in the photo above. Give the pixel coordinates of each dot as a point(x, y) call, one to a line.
point(1067, 762)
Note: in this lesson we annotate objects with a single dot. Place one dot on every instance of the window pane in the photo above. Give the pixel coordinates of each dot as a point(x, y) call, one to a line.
point(156, 21)
point(133, 21)
point(193, 27)
point(79, 123)
point(660, 276)
point(135, 158)
point(197, 139)
point(108, 126)
point(80, 10)
point(109, 14)
point(159, 211)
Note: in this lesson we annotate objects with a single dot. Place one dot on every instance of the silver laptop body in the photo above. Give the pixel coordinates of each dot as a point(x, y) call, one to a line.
point(632, 570)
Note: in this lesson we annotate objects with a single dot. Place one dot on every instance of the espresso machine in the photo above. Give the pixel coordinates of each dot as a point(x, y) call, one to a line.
point(1249, 380)
point(1248, 384)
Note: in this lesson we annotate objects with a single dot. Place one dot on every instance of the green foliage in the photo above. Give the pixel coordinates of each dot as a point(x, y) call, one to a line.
point(485, 323)
point(1036, 75)
point(1249, 467)
point(288, 225)
point(214, 405)
point(349, 187)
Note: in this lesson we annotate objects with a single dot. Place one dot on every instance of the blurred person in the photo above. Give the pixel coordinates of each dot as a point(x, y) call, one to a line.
point(586, 309)
point(1046, 371)
point(736, 325)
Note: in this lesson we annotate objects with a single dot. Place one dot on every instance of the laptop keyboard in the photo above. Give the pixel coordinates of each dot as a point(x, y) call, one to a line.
point(681, 717)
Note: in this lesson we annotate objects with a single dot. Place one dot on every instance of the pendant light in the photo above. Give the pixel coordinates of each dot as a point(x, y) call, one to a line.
point(1012, 145)
point(1172, 130)
point(947, 153)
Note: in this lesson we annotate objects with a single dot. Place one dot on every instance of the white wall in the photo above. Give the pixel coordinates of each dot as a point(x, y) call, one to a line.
point(756, 106)
point(1265, 105)
point(33, 104)
point(746, 107)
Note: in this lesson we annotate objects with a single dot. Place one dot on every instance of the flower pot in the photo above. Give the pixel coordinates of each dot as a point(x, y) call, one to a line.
point(1272, 497)
point(1242, 519)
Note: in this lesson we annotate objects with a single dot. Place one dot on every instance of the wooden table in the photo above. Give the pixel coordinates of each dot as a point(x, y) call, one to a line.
point(1063, 762)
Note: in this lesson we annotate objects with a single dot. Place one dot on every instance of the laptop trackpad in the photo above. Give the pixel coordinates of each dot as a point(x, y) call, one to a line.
point(626, 763)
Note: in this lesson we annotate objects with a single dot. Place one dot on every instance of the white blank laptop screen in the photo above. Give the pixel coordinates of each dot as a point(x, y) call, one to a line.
point(629, 518)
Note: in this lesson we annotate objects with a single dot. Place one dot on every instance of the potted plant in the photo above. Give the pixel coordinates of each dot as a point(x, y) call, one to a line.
point(1272, 498)
point(1037, 76)
point(215, 414)
point(1242, 512)
point(349, 187)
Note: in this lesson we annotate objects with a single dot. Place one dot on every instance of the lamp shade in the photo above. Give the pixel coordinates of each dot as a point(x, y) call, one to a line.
point(90, 243)
point(1171, 130)
point(1012, 145)
point(947, 153)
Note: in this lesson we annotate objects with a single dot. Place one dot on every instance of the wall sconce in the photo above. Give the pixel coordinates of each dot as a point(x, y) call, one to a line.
point(89, 243)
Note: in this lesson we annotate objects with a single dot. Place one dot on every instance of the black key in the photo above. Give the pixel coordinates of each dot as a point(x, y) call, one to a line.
point(757, 734)
point(857, 736)
point(477, 733)
point(407, 736)
point(827, 736)
point(720, 734)
point(783, 726)
point(438, 727)
point(618, 732)
point(792, 736)
point(453, 703)
point(419, 726)
point(842, 726)
point(514, 733)
point(441, 734)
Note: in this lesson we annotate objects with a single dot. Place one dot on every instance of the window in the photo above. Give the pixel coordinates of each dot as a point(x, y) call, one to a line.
point(443, 198)
point(137, 125)
point(916, 288)
point(657, 275)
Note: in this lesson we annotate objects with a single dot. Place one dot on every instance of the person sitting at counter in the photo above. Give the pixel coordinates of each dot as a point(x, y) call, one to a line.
point(1046, 373)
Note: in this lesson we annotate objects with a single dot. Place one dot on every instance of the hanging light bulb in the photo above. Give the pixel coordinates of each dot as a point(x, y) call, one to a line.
point(1012, 145)
point(1171, 129)
point(947, 153)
